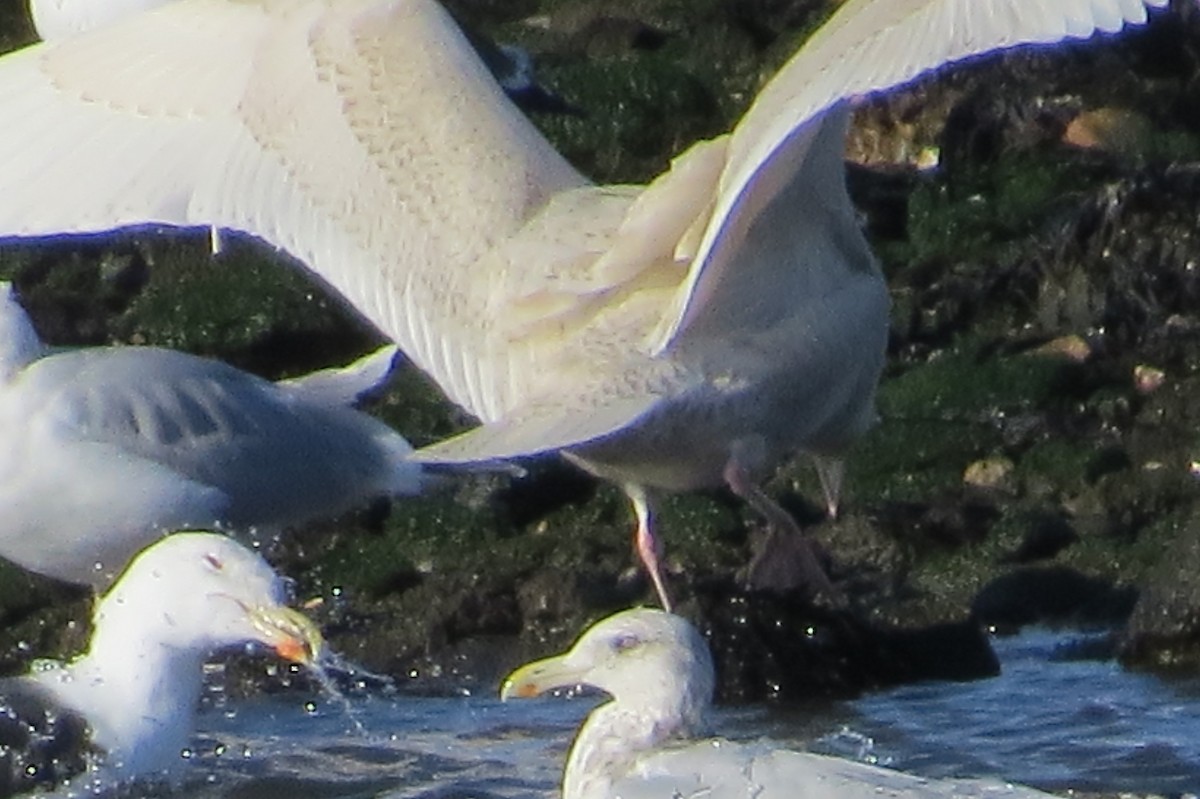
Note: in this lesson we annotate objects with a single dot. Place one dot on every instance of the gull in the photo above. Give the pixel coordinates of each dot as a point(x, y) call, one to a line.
point(689, 333)
point(131, 697)
point(657, 670)
point(107, 448)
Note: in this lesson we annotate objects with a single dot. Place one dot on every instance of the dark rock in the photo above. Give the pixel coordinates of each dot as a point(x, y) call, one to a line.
point(1015, 240)
point(1164, 630)
point(785, 649)
point(946, 523)
point(1051, 595)
point(548, 485)
point(766, 20)
point(1048, 534)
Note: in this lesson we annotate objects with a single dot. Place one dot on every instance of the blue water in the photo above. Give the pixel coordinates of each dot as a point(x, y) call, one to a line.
point(1048, 721)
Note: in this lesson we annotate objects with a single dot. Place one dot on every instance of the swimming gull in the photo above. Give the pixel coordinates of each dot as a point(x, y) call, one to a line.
point(692, 332)
point(132, 696)
point(107, 448)
point(659, 673)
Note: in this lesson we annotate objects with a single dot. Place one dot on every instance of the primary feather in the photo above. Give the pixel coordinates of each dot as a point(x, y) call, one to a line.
point(688, 333)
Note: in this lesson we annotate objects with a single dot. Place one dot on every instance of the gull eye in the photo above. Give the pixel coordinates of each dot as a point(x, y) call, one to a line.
point(625, 642)
point(214, 562)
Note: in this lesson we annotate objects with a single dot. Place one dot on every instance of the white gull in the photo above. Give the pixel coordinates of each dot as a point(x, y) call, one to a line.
point(689, 333)
point(108, 448)
point(657, 670)
point(131, 697)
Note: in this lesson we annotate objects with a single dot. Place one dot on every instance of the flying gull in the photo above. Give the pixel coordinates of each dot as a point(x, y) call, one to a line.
point(688, 333)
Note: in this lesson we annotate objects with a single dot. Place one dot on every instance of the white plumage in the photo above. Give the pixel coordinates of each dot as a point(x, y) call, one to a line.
point(658, 671)
point(108, 448)
point(58, 19)
point(137, 686)
point(689, 333)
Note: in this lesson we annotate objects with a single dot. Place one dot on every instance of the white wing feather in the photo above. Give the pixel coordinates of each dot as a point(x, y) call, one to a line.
point(867, 46)
point(365, 138)
point(346, 133)
point(58, 19)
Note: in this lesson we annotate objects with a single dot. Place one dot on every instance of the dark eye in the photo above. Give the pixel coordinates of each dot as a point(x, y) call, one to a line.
point(623, 643)
point(214, 562)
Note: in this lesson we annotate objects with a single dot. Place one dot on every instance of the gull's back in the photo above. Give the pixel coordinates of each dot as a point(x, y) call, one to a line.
point(719, 769)
point(106, 448)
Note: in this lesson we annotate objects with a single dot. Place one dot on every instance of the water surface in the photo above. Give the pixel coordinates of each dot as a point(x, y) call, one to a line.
point(1050, 720)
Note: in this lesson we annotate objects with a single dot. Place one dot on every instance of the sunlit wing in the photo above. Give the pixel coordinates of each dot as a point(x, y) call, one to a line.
point(58, 19)
point(867, 46)
point(363, 137)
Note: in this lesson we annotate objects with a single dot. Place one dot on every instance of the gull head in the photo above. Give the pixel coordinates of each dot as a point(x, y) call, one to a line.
point(644, 657)
point(198, 592)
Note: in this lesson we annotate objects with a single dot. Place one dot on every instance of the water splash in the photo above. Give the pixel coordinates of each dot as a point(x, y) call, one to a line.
point(341, 678)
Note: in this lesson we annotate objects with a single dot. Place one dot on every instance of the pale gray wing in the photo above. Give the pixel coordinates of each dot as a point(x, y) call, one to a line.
point(276, 457)
point(343, 386)
point(718, 769)
point(867, 46)
point(364, 137)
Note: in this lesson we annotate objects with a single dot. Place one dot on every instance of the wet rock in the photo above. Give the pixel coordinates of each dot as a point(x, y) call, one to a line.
point(1164, 629)
point(1051, 595)
point(783, 648)
point(1012, 241)
point(1048, 534)
point(946, 524)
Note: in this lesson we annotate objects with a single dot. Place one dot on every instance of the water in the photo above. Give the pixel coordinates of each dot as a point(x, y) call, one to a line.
point(1049, 721)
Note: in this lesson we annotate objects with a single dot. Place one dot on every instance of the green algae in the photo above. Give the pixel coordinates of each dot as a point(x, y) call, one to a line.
point(436, 556)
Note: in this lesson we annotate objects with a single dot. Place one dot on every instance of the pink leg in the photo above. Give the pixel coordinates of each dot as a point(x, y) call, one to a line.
point(830, 471)
point(644, 541)
point(787, 559)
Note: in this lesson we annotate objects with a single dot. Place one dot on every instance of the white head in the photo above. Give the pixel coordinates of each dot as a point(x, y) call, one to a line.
point(196, 592)
point(178, 601)
point(633, 655)
point(658, 670)
point(19, 342)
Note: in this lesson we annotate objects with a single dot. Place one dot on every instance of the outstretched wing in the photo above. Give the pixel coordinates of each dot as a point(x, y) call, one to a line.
point(867, 46)
point(364, 137)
